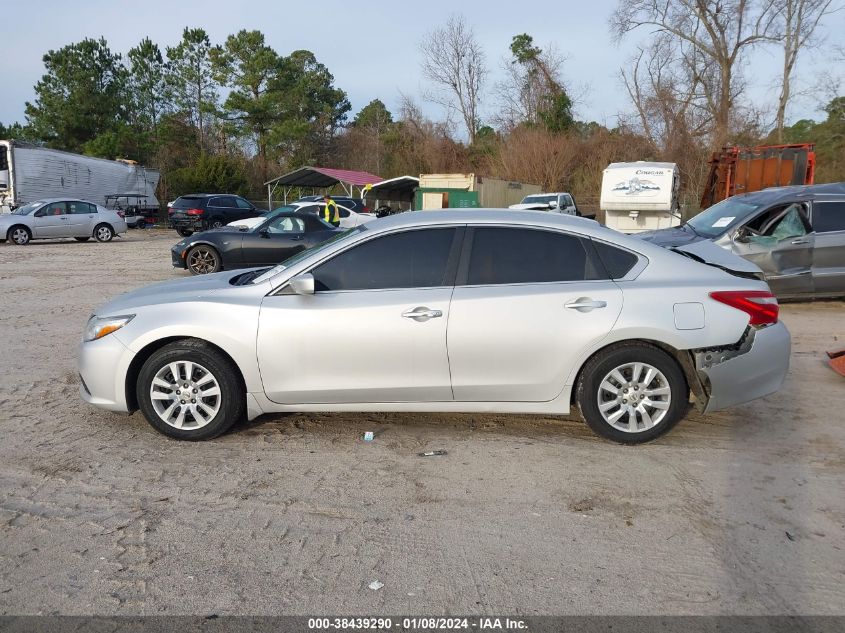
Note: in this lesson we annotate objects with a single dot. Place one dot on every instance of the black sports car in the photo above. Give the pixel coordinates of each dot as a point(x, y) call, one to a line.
point(281, 235)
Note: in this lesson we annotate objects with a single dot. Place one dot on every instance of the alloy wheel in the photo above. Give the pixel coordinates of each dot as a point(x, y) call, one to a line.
point(20, 236)
point(185, 395)
point(202, 261)
point(634, 397)
point(104, 234)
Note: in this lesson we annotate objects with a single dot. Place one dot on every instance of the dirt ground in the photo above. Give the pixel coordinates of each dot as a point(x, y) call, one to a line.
point(741, 512)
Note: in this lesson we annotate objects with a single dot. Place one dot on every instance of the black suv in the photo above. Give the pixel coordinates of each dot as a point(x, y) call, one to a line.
point(200, 211)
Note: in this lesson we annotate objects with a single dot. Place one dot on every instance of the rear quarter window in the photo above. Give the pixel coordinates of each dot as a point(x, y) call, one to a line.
point(617, 262)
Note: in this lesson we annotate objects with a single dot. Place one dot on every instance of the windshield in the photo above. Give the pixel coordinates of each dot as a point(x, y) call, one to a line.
point(28, 208)
point(539, 199)
point(722, 217)
point(308, 252)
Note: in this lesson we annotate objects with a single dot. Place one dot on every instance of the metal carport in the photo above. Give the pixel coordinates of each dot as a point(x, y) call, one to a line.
point(321, 178)
point(399, 189)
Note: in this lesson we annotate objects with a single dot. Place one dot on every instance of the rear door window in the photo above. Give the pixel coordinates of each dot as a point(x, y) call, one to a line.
point(222, 201)
point(422, 258)
point(504, 255)
point(828, 217)
point(79, 208)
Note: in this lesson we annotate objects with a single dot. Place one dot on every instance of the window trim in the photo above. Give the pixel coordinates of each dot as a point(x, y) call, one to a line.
point(451, 264)
point(590, 254)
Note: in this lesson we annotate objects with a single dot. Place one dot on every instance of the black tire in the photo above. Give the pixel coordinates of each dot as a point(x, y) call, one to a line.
point(82, 239)
point(19, 234)
point(232, 398)
point(215, 223)
point(141, 224)
point(589, 391)
point(185, 232)
point(203, 260)
point(103, 232)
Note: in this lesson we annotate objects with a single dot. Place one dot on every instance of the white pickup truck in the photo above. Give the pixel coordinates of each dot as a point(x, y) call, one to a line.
point(560, 202)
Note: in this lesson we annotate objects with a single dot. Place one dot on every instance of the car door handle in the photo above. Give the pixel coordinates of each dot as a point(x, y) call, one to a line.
point(298, 238)
point(585, 304)
point(422, 314)
point(801, 241)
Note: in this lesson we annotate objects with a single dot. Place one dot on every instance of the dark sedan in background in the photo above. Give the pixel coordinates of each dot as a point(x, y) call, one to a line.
point(200, 211)
point(796, 235)
point(281, 235)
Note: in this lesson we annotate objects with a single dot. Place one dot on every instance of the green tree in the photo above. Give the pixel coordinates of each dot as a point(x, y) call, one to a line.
point(210, 174)
point(147, 83)
point(311, 110)
point(534, 93)
point(829, 138)
point(250, 68)
point(15, 130)
point(80, 97)
point(190, 79)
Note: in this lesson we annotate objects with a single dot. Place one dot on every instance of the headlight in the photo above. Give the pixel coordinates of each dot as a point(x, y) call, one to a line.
point(99, 327)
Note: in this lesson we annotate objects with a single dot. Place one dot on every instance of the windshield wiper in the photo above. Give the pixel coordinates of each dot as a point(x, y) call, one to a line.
point(245, 278)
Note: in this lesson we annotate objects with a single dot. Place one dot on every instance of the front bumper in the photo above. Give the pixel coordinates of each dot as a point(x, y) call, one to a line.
point(756, 369)
point(176, 257)
point(103, 365)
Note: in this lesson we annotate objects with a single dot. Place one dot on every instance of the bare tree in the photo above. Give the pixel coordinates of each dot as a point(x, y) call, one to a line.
point(454, 61)
point(720, 32)
point(798, 22)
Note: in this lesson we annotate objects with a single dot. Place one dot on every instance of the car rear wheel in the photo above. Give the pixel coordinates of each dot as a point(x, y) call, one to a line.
point(632, 393)
point(141, 224)
point(216, 223)
point(103, 233)
point(203, 260)
point(190, 391)
point(19, 235)
point(185, 232)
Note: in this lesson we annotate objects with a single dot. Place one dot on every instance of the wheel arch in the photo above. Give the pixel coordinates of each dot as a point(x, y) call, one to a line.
point(13, 227)
point(144, 354)
point(683, 358)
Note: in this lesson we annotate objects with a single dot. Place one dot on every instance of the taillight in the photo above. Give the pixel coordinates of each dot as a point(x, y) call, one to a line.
point(760, 305)
point(194, 212)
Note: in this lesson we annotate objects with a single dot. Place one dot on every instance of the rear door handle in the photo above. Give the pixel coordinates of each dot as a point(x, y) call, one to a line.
point(801, 241)
point(422, 313)
point(585, 304)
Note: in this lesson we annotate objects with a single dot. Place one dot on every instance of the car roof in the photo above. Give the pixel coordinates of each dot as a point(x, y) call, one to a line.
point(206, 195)
point(773, 195)
point(49, 200)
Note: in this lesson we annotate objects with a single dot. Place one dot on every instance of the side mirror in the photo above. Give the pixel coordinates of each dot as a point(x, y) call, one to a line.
point(302, 284)
point(38, 214)
point(553, 205)
point(741, 235)
point(264, 232)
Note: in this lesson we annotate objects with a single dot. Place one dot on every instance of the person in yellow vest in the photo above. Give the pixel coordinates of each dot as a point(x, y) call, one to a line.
point(330, 212)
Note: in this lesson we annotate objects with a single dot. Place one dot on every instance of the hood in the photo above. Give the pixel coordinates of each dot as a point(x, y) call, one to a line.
point(7, 219)
point(674, 236)
point(190, 289)
point(536, 206)
point(710, 253)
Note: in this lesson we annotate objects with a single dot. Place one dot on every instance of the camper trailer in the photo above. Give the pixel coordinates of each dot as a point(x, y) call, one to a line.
point(29, 173)
point(640, 196)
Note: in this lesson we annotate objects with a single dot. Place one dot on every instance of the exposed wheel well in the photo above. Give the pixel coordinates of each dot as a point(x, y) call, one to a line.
point(141, 357)
point(15, 226)
point(683, 359)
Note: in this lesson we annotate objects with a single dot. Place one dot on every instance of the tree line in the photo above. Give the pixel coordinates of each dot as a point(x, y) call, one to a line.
point(228, 116)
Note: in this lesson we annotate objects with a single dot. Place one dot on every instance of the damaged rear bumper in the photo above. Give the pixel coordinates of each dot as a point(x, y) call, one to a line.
point(754, 368)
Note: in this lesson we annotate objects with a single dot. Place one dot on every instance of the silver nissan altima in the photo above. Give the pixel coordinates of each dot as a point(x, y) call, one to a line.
point(447, 311)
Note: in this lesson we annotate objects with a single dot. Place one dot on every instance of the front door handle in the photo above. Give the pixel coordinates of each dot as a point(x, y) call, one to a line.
point(422, 313)
point(585, 304)
point(801, 241)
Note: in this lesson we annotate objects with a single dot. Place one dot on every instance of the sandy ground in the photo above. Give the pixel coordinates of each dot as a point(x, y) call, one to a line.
point(741, 512)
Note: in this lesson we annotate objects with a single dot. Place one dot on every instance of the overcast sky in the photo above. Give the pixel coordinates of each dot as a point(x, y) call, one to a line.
point(371, 47)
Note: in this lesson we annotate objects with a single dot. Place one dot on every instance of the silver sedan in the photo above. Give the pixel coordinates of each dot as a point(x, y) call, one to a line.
point(447, 311)
point(60, 217)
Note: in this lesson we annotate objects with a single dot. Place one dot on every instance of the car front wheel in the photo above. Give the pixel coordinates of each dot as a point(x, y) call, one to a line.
point(19, 235)
point(190, 391)
point(202, 260)
point(103, 233)
point(632, 393)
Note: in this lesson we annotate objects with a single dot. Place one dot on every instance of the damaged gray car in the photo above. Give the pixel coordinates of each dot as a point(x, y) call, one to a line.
point(796, 235)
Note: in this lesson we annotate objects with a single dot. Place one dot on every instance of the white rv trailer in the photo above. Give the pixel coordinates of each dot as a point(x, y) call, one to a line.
point(29, 173)
point(640, 196)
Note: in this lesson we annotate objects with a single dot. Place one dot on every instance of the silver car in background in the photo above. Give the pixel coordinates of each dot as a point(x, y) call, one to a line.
point(447, 311)
point(53, 218)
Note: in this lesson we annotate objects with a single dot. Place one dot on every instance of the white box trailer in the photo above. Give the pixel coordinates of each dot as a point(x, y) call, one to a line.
point(29, 173)
point(640, 196)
